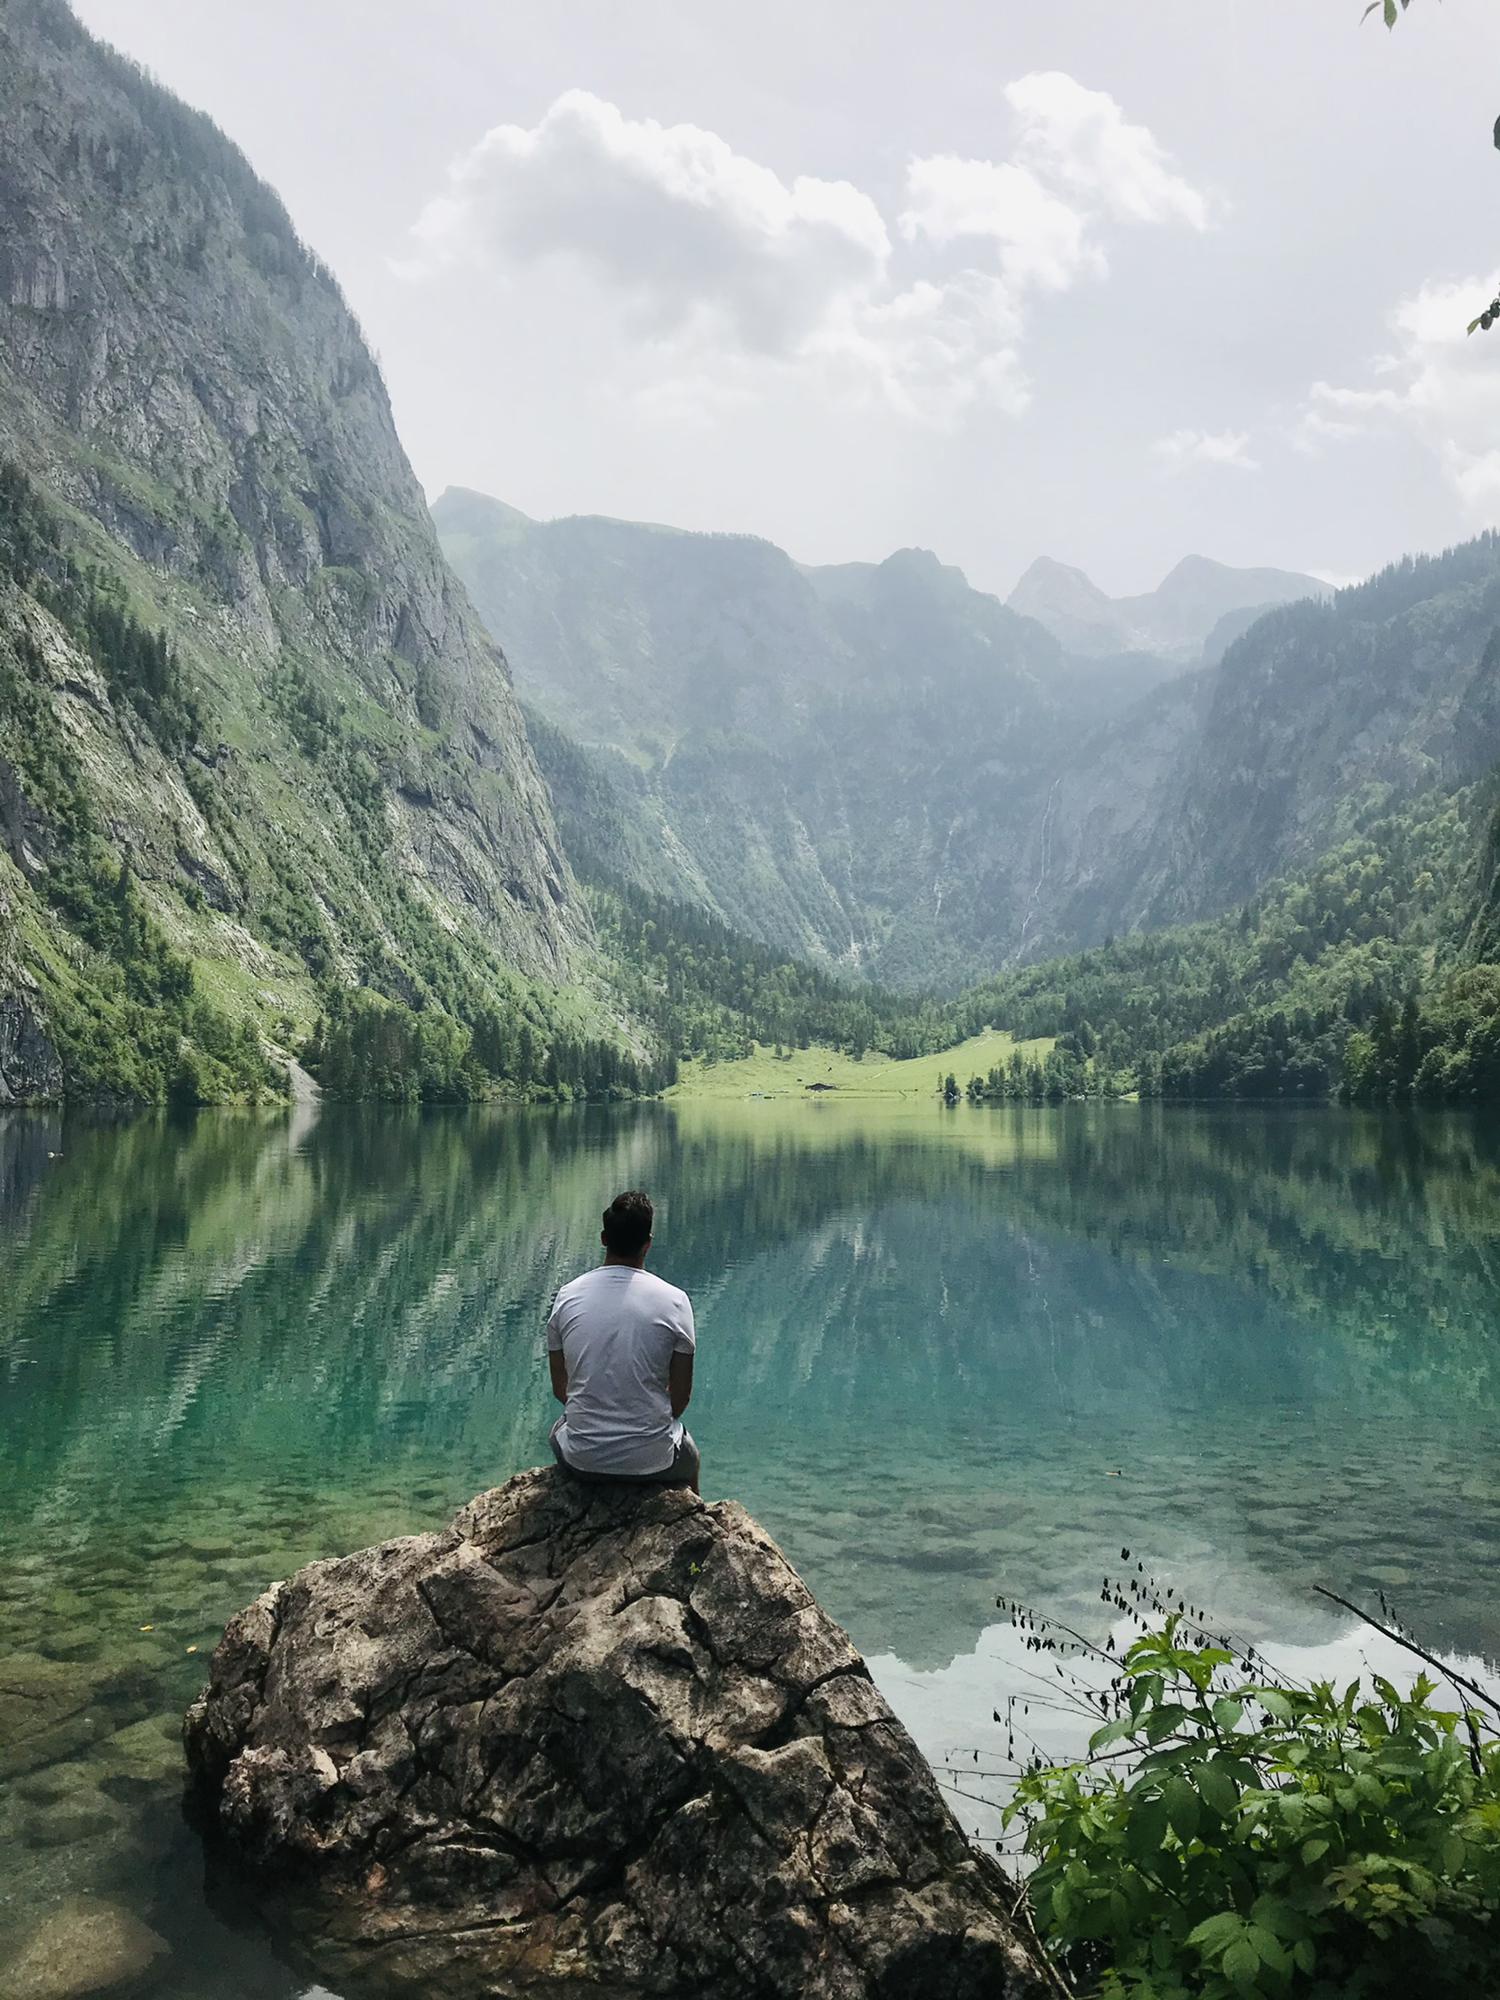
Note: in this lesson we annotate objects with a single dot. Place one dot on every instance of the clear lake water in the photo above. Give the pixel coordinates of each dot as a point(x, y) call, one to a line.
point(944, 1356)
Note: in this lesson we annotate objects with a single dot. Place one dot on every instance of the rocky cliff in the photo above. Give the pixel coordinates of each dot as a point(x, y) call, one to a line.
point(346, 781)
point(592, 1741)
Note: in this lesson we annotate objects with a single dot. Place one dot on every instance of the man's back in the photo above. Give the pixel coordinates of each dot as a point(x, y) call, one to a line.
point(617, 1328)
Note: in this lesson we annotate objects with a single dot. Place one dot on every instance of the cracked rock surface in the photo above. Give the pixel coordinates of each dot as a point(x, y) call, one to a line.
point(586, 1740)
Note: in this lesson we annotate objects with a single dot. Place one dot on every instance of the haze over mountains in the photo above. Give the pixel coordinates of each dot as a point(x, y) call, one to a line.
point(877, 765)
point(1194, 613)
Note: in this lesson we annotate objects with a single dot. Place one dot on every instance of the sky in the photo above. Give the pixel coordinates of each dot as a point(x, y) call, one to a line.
point(1109, 283)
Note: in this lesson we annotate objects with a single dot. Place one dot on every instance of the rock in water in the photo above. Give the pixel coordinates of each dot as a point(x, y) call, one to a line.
point(587, 1741)
point(85, 1946)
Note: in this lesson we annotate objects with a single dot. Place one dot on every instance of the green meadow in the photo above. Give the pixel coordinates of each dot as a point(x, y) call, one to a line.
point(798, 1073)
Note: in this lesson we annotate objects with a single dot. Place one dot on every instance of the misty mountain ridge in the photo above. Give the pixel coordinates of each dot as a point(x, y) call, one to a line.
point(877, 767)
point(1198, 609)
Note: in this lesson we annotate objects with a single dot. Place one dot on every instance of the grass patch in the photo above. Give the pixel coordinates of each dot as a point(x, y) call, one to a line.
point(765, 1074)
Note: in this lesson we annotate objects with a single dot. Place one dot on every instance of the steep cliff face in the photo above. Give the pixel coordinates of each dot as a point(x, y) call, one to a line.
point(184, 385)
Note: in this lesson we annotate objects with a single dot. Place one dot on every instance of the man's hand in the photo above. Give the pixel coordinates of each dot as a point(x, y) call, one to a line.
point(559, 1369)
point(680, 1382)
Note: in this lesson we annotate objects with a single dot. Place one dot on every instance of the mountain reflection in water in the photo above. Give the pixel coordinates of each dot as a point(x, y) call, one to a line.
point(944, 1355)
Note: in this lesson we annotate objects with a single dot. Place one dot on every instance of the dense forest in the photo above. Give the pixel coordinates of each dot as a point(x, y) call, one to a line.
point(1303, 990)
point(1363, 976)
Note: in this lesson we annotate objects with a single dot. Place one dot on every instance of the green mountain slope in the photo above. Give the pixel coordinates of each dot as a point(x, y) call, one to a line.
point(336, 786)
point(1322, 716)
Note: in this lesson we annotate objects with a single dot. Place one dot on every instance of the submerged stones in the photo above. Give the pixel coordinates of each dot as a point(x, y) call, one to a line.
point(593, 1741)
point(86, 1946)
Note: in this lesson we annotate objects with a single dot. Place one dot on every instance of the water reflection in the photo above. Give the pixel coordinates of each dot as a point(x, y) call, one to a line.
point(944, 1355)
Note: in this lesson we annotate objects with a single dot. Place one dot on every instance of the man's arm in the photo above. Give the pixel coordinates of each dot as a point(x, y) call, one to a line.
point(680, 1382)
point(559, 1369)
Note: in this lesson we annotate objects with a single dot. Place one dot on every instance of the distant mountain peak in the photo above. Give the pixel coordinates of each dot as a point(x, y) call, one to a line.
point(1047, 577)
point(1177, 620)
point(1193, 569)
point(457, 505)
point(1046, 567)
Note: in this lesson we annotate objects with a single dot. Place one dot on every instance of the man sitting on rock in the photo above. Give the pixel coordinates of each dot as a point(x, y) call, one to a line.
point(620, 1344)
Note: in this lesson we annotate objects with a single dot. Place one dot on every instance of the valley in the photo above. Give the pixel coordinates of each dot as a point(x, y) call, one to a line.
point(981, 1007)
point(269, 789)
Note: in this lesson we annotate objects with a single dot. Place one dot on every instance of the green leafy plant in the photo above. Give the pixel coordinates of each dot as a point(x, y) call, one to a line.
point(1232, 1835)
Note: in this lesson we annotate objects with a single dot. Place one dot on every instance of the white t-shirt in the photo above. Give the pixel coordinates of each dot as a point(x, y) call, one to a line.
point(617, 1329)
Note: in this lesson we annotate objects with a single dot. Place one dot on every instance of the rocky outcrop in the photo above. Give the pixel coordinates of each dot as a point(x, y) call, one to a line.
point(586, 1741)
point(30, 1071)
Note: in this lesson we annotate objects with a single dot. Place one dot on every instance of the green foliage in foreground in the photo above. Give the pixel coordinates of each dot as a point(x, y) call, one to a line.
point(1268, 1840)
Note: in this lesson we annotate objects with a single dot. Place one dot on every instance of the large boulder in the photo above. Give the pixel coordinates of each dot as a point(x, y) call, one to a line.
point(586, 1740)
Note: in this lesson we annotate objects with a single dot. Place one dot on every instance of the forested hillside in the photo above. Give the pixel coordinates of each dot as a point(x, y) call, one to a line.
point(266, 789)
point(1362, 977)
point(255, 747)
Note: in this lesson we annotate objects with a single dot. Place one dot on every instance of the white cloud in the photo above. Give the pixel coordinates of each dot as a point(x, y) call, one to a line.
point(1078, 163)
point(927, 354)
point(1188, 447)
point(1439, 386)
point(668, 215)
point(729, 277)
point(1042, 240)
point(932, 350)
point(1082, 139)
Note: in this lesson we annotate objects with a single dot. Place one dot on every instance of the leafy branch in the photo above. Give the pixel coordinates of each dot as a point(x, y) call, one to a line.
point(1235, 1834)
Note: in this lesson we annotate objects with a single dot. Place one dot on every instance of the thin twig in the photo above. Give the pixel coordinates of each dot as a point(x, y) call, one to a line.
point(1056, 1625)
point(1458, 1680)
point(1050, 1970)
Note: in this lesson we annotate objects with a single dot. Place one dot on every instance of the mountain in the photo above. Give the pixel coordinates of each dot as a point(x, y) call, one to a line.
point(244, 703)
point(879, 766)
point(1319, 719)
point(837, 761)
point(1191, 616)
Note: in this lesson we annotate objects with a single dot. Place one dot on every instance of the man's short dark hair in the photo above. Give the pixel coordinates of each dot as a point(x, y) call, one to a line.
point(627, 1223)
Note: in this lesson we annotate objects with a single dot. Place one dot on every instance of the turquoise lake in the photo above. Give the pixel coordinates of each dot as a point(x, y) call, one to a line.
point(943, 1356)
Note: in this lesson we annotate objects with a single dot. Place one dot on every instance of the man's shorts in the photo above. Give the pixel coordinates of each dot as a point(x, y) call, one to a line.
point(681, 1472)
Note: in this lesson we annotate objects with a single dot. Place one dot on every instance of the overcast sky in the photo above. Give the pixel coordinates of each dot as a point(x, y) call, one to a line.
point(1102, 281)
